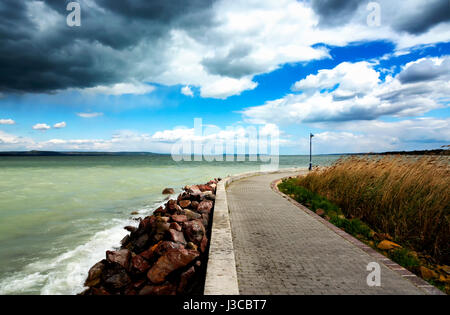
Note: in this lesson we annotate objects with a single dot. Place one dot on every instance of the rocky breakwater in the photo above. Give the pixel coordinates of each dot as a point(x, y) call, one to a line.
point(165, 255)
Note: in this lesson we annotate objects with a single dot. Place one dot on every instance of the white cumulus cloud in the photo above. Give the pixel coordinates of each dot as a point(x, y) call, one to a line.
point(7, 122)
point(60, 125)
point(41, 127)
point(353, 91)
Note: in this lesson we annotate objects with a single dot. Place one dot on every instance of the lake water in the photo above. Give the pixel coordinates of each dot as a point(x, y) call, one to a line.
point(58, 215)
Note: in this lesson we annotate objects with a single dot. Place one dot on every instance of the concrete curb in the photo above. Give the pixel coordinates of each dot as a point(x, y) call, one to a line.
point(404, 273)
point(221, 275)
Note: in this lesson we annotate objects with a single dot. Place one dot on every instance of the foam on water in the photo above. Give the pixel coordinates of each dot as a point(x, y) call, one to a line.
point(66, 273)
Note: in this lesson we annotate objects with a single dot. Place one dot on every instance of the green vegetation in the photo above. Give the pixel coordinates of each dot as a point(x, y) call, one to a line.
point(405, 258)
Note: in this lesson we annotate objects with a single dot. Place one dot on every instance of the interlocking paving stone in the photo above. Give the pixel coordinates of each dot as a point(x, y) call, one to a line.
point(280, 249)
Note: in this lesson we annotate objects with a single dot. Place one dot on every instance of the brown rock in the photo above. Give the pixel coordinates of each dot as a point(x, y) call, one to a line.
point(179, 218)
point(428, 274)
point(165, 246)
point(122, 257)
point(194, 204)
point(150, 253)
point(320, 212)
point(134, 213)
point(175, 226)
point(139, 264)
point(168, 191)
point(94, 275)
point(172, 260)
point(184, 203)
point(184, 279)
point(204, 244)
point(125, 240)
point(159, 212)
point(163, 289)
point(130, 228)
point(194, 190)
point(164, 219)
point(204, 188)
point(170, 205)
point(387, 245)
point(205, 206)
point(99, 291)
point(141, 242)
point(117, 280)
point(176, 236)
point(191, 215)
point(146, 224)
point(194, 231)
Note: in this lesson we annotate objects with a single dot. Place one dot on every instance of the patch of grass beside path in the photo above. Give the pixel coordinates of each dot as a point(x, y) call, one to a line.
point(363, 184)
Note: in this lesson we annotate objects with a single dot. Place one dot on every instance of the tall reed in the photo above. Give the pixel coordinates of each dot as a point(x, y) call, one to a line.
point(407, 197)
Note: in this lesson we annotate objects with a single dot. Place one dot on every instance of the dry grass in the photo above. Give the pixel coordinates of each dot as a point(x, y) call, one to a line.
point(407, 197)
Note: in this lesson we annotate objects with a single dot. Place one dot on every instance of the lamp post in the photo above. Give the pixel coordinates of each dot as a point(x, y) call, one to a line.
point(310, 151)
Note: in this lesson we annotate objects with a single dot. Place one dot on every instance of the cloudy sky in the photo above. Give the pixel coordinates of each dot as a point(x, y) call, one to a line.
point(136, 73)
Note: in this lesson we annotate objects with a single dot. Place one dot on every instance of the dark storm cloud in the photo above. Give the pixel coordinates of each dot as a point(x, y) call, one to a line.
point(234, 64)
point(413, 17)
point(335, 12)
point(97, 53)
point(431, 13)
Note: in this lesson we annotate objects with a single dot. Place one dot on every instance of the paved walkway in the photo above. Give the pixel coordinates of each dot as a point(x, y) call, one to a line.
point(281, 249)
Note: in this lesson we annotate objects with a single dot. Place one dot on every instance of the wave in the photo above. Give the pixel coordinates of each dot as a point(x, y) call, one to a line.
point(66, 273)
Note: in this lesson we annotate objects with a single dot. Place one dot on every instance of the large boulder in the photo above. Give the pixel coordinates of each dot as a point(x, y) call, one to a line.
point(139, 264)
point(168, 191)
point(205, 206)
point(141, 243)
point(184, 279)
point(117, 279)
point(130, 228)
point(172, 260)
point(177, 236)
point(165, 246)
point(171, 206)
point(179, 218)
point(184, 203)
point(194, 231)
point(151, 252)
point(191, 215)
point(121, 257)
point(94, 275)
point(204, 188)
point(194, 191)
point(175, 226)
point(194, 204)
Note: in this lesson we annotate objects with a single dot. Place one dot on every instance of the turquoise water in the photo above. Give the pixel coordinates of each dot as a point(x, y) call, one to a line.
point(58, 215)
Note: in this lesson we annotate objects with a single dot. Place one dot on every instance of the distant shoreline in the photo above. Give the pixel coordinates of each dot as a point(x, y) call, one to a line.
point(75, 153)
